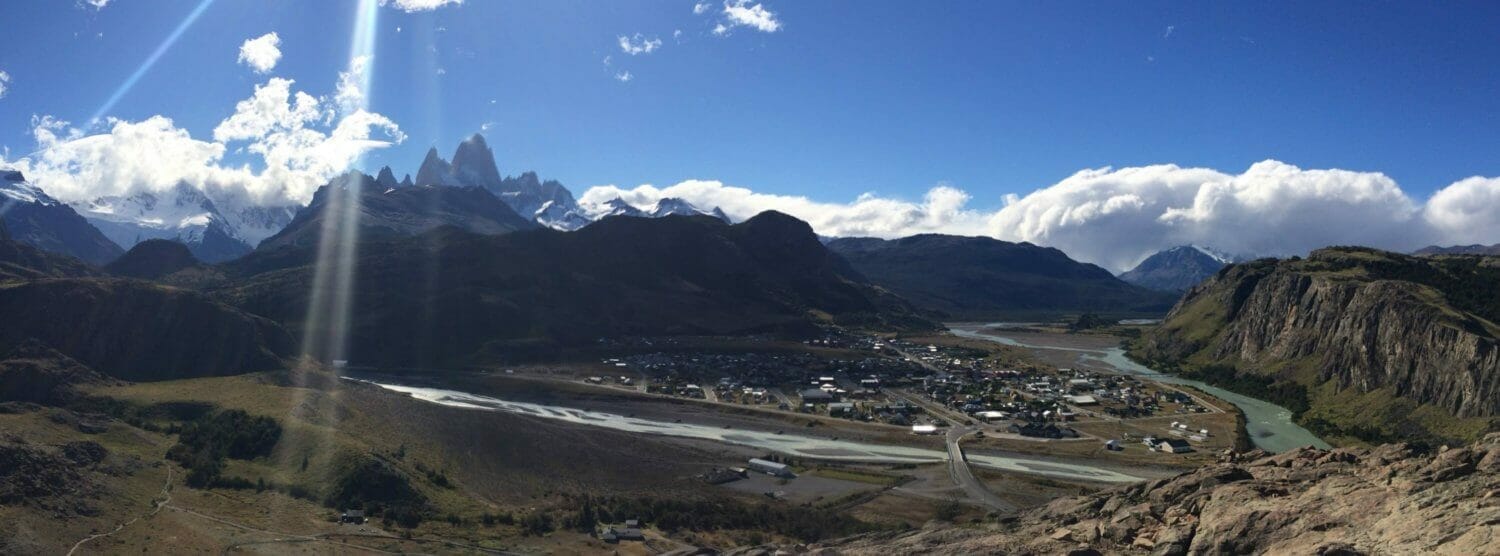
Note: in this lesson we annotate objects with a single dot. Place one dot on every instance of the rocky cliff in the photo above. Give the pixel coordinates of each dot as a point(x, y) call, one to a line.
point(1351, 326)
point(1386, 500)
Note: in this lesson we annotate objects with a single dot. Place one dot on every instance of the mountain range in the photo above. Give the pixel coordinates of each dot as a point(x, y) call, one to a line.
point(981, 278)
point(450, 296)
point(1177, 269)
point(214, 230)
point(1459, 250)
point(399, 211)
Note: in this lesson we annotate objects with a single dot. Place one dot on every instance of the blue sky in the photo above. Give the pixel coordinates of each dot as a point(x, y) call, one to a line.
point(900, 100)
point(890, 97)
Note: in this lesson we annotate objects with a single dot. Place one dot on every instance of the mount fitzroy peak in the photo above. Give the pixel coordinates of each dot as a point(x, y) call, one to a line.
point(547, 202)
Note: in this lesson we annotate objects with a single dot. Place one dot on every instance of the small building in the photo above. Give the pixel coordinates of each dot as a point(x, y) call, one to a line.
point(924, 429)
point(617, 534)
point(1171, 446)
point(814, 395)
point(771, 468)
point(1083, 400)
point(356, 517)
point(837, 409)
point(992, 416)
point(1113, 445)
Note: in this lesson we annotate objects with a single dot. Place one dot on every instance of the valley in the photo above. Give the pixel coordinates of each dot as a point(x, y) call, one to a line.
point(519, 372)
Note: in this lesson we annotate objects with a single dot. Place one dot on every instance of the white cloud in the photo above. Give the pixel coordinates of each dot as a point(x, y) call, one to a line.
point(350, 94)
point(638, 44)
point(1467, 211)
point(410, 6)
point(677, 35)
point(700, 8)
point(607, 60)
point(261, 53)
point(1117, 217)
point(96, 4)
point(741, 13)
point(4, 83)
point(721, 29)
point(301, 141)
point(624, 76)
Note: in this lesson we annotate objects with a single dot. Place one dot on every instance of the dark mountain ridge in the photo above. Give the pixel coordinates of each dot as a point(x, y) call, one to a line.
point(152, 259)
point(137, 330)
point(1459, 250)
point(450, 296)
point(979, 277)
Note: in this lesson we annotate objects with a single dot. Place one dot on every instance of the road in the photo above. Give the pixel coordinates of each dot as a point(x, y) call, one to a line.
point(958, 468)
point(958, 465)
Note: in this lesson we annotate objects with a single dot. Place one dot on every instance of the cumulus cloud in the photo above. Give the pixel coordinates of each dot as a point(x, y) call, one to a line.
point(4, 83)
point(410, 6)
point(261, 53)
point(701, 8)
point(624, 76)
point(742, 13)
point(96, 4)
point(301, 141)
point(638, 44)
point(1467, 211)
point(1118, 217)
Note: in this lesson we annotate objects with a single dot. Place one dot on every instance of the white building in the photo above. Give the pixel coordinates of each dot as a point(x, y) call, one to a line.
point(771, 468)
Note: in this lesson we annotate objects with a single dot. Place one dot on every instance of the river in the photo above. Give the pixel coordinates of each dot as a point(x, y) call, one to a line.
point(1270, 426)
point(790, 444)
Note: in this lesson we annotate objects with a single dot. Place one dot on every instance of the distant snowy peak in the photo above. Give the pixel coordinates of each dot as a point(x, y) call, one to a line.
point(668, 206)
point(15, 188)
point(618, 207)
point(1216, 254)
point(678, 206)
point(31, 216)
point(213, 229)
point(1178, 268)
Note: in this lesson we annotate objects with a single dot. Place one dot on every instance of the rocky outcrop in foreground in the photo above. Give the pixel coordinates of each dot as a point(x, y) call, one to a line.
point(1385, 500)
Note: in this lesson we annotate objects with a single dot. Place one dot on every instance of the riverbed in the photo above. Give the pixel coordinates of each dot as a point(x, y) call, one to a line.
point(790, 444)
point(1270, 426)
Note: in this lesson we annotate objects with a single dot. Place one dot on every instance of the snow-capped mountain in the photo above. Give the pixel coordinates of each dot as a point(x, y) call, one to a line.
point(674, 205)
point(186, 214)
point(32, 217)
point(1178, 268)
point(548, 202)
point(1217, 255)
point(664, 207)
point(618, 207)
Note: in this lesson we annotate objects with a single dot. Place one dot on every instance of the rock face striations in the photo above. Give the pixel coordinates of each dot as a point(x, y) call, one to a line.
point(1386, 500)
point(1370, 335)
